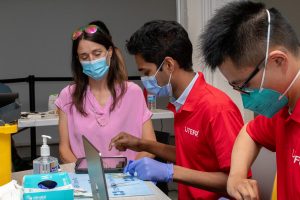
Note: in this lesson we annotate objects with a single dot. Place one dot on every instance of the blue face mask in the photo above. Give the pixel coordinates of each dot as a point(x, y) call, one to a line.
point(95, 69)
point(264, 101)
point(150, 83)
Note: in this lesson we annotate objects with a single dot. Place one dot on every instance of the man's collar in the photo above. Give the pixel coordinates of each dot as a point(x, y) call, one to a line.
point(295, 115)
point(192, 99)
point(182, 98)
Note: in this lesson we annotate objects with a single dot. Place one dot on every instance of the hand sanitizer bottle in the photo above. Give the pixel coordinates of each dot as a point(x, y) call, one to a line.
point(45, 163)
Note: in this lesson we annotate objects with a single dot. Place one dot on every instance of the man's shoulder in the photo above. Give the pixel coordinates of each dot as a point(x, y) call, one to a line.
point(211, 102)
point(213, 96)
point(205, 89)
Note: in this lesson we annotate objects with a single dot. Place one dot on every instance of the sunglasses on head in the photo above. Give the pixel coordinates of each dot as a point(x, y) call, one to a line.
point(90, 29)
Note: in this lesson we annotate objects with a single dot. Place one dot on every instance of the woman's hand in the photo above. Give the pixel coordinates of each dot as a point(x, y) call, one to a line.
point(124, 141)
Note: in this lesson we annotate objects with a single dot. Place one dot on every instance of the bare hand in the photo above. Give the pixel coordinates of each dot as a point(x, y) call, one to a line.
point(125, 141)
point(242, 189)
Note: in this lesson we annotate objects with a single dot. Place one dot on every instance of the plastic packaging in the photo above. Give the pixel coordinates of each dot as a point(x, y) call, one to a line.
point(11, 191)
point(151, 101)
point(51, 102)
point(46, 163)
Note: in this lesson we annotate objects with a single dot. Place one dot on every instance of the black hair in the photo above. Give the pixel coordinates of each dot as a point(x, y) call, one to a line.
point(239, 31)
point(102, 27)
point(158, 39)
point(115, 77)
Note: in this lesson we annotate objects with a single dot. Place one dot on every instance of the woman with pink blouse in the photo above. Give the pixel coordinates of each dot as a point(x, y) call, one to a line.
point(100, 103)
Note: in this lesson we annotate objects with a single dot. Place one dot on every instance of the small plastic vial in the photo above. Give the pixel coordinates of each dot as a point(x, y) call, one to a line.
point(151, 101)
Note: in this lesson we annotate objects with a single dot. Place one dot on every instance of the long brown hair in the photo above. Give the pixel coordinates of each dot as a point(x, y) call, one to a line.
point(115, 77)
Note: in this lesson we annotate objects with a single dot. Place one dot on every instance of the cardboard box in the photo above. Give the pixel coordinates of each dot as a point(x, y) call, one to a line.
point(51, 186)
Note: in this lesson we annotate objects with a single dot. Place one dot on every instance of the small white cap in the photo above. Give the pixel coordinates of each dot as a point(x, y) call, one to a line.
point(45, 149)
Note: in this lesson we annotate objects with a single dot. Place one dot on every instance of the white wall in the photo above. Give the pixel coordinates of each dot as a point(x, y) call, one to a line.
point(36, 40)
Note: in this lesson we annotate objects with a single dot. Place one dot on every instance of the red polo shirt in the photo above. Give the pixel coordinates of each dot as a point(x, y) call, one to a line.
point(281, 133)
point(205, 129)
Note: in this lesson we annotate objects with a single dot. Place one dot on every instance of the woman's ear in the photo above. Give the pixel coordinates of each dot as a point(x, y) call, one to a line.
point(109, 55)
point(110, 52)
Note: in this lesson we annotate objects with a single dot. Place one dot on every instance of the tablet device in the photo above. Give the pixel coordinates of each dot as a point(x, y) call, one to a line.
point(114, 164)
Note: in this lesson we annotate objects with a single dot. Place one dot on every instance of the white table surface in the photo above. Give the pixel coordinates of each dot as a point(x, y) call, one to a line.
point(158, 194)
point(52, 120)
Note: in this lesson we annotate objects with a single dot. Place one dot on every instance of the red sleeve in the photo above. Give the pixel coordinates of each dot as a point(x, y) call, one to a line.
point(261, 131)
point(224, 128)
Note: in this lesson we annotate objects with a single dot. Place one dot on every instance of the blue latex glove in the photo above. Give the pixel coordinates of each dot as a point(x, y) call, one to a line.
point(150, 170)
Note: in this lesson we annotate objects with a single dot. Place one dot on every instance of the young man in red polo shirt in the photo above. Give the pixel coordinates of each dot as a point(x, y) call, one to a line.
point(258, 52)
point(206, 120)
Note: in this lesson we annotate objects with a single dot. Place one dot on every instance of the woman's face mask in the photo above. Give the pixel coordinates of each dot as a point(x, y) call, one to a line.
point(96, 69)
point(150, 83)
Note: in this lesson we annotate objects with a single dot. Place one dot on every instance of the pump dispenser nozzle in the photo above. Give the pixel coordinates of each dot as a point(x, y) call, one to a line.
point(45, 150)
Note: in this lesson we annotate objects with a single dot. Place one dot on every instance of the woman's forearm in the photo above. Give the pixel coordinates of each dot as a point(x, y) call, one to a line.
point(66, 155)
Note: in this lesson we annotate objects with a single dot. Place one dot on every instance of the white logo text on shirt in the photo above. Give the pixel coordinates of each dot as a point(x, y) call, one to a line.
point(191, 131)
point(295, 157)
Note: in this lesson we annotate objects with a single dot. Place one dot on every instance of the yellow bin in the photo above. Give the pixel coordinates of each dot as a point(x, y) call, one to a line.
point(5, 152)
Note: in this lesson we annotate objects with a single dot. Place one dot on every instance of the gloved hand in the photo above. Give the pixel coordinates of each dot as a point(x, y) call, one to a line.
point(150, 170)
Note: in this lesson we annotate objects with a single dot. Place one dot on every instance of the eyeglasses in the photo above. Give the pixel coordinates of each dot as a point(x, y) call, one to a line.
point(241, 88)
point(90, 29)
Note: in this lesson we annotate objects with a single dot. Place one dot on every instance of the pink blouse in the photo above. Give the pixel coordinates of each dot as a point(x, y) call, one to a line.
point(100, 125)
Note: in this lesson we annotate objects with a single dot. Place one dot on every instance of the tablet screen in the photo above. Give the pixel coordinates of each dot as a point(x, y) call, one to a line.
point(110, 164)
